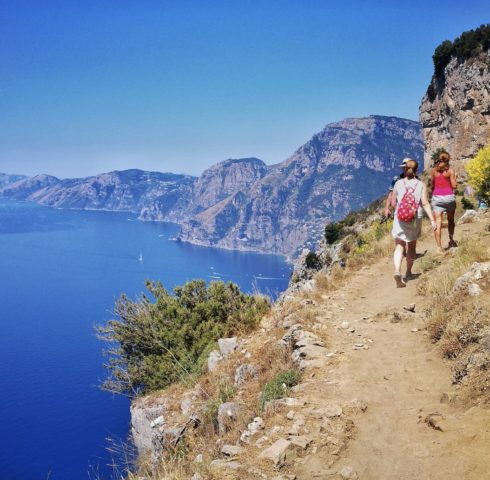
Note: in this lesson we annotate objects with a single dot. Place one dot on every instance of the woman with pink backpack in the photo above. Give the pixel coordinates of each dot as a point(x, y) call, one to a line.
point(409, 198)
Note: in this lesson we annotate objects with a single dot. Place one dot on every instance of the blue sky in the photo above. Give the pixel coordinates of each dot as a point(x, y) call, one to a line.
point(96, 85)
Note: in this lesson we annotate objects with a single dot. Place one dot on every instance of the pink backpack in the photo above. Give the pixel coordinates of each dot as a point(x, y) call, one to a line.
point(407, 210)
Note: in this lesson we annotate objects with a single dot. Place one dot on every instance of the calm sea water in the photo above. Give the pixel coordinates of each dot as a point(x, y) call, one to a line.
point(60, 273)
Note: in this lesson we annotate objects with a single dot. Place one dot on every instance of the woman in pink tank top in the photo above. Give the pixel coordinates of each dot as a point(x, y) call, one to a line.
point(443, 180)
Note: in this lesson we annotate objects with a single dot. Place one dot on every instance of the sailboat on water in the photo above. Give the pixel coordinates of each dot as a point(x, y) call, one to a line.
point(141, 257)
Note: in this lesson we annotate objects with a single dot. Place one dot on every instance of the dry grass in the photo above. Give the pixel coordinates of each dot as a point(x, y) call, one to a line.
point(458, 322)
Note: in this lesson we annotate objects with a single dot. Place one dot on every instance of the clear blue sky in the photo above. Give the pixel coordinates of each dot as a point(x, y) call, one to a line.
point(94, 85)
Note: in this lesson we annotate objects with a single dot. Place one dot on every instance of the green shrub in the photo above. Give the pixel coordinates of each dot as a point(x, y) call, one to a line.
point(279, 386)
point(442, 56)
point(467, 204)
point(332, 232)
point(157, 343)
point(312, 261)
point(349, 220)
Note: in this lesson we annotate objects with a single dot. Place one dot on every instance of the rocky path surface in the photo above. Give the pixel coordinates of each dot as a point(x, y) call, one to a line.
point(388, 364)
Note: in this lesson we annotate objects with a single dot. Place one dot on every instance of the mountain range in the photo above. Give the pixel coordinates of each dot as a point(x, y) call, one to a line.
point(245, 204)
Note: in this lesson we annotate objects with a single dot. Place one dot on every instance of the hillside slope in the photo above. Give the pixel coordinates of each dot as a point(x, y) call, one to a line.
point(381, 397)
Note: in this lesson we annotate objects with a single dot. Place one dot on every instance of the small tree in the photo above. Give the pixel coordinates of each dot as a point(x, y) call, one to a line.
point(164, 340)
point(332, 232)
point(312, 261)
point(442, 56)
point(478, 169)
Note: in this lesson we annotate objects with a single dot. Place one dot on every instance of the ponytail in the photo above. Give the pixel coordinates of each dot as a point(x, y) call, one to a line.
point(411, 169)
point(409, 173)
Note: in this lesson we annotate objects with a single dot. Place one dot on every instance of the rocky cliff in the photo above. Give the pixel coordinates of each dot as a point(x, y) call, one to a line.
point(455, 111)
point(225, 179)
point(215, 184)
point(342, 168)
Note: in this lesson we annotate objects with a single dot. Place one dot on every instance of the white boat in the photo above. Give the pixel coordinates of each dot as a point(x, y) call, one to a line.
point(141, 257)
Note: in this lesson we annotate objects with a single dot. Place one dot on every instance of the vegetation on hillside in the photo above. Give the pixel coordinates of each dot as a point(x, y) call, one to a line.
point(157, 343)
point(335, 231)
point(467, 45)
point(478, 169)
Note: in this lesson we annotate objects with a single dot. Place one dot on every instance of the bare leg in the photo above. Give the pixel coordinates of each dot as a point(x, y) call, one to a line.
point(397, 262)
point(437, 231)
point(411, 248)
point(451, 226)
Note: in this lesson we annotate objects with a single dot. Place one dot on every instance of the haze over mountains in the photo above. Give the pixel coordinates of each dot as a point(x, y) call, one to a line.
point(245, 204)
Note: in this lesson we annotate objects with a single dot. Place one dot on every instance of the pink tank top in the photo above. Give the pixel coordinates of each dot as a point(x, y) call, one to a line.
point(442, 185)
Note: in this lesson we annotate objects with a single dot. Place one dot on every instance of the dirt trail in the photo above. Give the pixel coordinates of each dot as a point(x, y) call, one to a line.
point(401, 376)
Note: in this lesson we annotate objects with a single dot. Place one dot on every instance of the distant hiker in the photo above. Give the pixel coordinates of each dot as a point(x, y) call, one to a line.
point(408, 198)
point(443, 182)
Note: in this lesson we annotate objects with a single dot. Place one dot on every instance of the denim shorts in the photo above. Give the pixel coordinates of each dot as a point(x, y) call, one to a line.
point(443, 203)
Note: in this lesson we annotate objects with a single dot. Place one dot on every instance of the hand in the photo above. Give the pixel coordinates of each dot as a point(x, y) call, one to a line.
point(434, 224)
point(387, 212)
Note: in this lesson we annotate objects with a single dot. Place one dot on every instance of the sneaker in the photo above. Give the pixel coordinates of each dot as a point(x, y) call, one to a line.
point(399, 280)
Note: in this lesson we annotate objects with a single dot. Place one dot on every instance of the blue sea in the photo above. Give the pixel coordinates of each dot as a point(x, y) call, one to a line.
point(60, 274)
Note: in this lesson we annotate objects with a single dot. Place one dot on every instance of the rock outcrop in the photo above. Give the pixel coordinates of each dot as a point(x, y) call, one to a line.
point(342, 168)
point(455, 111)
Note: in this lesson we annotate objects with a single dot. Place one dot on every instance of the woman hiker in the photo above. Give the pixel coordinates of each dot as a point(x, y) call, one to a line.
point(409, 198)
point(443, 182)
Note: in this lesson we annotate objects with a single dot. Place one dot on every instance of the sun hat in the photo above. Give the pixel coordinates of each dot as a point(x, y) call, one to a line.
point(404, 162)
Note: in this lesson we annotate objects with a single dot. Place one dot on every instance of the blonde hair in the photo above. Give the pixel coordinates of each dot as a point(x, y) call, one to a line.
point(411, 168)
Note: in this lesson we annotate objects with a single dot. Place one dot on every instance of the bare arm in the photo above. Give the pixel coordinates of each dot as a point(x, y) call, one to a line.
point(426, 205)
point(452, 179)
point(388, 204)
point(393, 196)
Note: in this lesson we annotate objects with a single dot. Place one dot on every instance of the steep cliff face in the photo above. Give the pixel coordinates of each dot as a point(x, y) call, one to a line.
point(455, 111)
point(225, 179)
point(342, 168)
